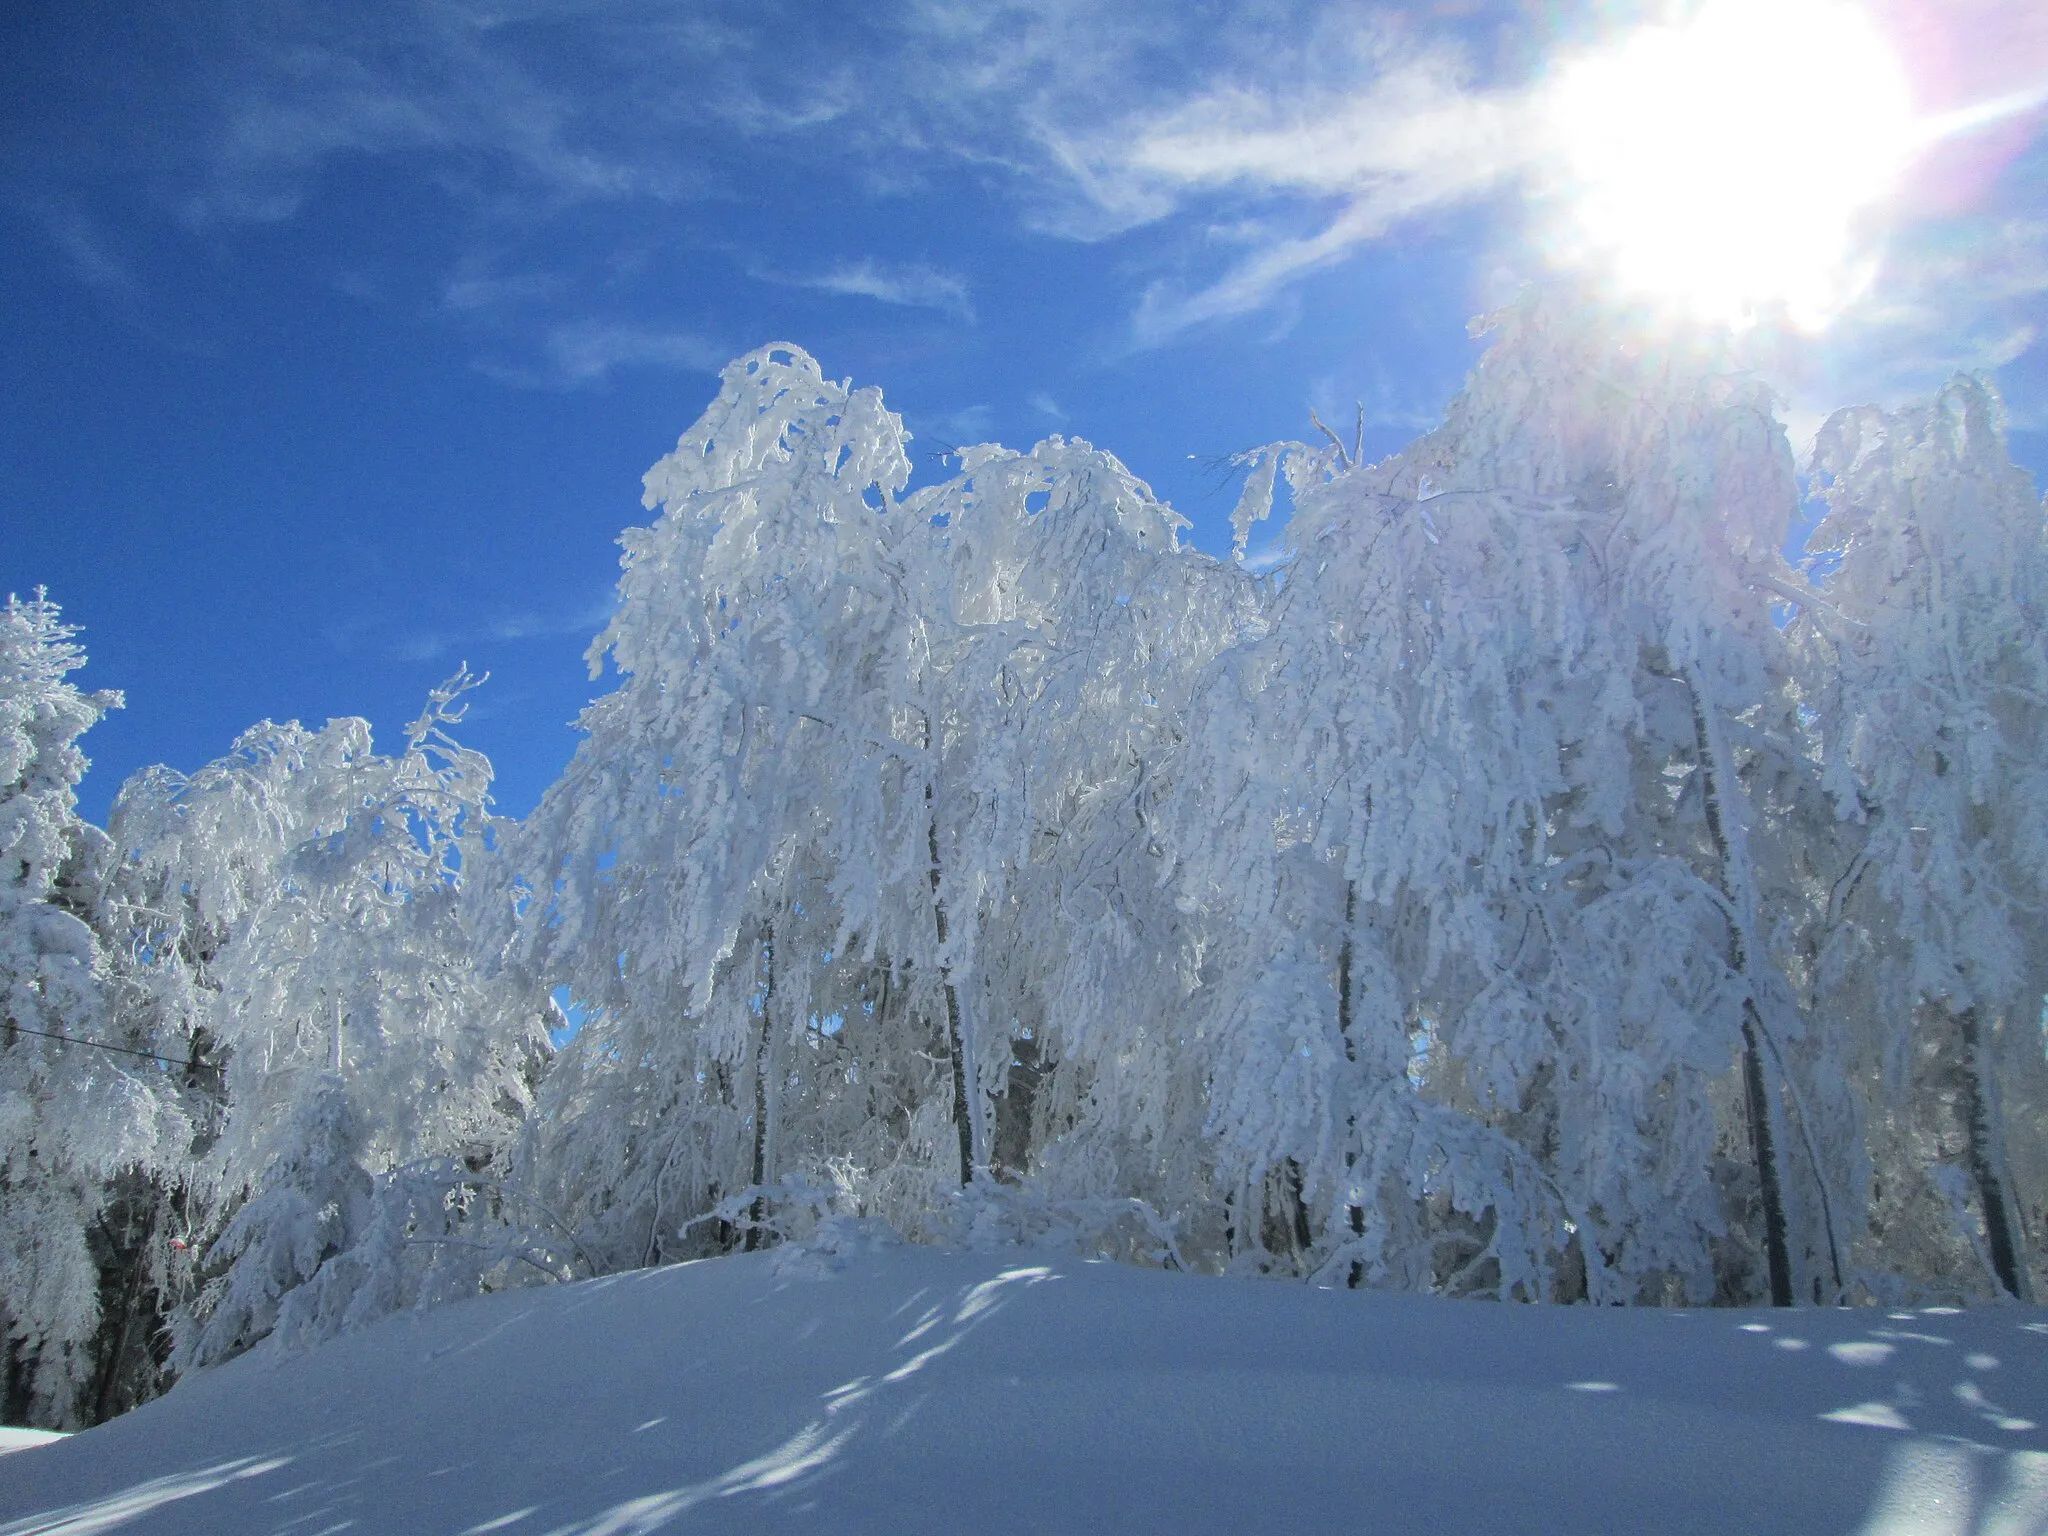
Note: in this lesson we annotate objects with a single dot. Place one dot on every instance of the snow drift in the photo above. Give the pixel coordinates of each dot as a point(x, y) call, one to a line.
point(851, 1384)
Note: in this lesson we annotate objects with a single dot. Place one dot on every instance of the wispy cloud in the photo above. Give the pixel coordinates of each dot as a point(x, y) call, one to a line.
point(92, 253)
point(1264, 141)
point(480, 637)
point(1372, 401)
point(1961, 294)
point(472, 291)
point(1413, 123)
point(460, 88)
point(86, 252)
point(914, 285)
point(1166, 309)
point(588, 352)
point(959, 428)
point(1087, 119)
point(1404, 135)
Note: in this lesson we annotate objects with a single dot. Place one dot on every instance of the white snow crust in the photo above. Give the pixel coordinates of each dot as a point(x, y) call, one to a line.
point(14, 1438)
point(856, 1385)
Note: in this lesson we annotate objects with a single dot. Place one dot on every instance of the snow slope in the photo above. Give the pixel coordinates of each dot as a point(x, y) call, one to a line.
point(861, 1386)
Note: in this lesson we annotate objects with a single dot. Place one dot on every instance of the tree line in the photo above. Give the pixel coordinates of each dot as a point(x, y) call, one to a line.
point(1601, 861)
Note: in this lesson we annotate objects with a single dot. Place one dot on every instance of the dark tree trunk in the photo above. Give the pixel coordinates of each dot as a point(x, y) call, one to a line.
point(1979, 1113)
point(1287, 1227)
point(763, 1046)
point(1015, 1111)
point(1756, 1091)
point(17, 1366)
point(124, 1274)
point(954, 1046)
point(1756, 1097)
point(1356, 1213)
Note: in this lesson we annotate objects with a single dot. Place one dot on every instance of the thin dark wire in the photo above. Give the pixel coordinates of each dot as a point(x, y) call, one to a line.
point(98, 1046)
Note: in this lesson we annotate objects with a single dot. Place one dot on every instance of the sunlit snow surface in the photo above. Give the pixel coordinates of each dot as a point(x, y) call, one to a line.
point(901, 1390)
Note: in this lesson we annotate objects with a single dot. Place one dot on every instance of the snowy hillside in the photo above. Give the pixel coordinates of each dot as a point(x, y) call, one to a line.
point(863, 1387)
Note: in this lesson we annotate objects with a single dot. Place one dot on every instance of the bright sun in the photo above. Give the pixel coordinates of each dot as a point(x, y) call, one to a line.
point(1722, 163)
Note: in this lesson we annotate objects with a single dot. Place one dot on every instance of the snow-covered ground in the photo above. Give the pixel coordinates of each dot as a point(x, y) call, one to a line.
point(881, 1388)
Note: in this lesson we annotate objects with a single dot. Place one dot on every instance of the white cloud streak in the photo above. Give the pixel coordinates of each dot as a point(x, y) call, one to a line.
point(507, 628)
point(1091, 119)
point(299, 84)
point(1413, 125)
point(1372, 126)
point(912, 285)
point(586, 353)
point(86, 253)
point(476, 292)
point(589, 352)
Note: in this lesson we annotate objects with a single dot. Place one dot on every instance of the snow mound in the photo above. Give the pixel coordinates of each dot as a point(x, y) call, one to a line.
point(857, 1385)
point(835, 1243)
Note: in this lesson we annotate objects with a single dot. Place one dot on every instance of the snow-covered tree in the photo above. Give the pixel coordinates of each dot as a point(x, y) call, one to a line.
point(1929, 670)
point(1521, 719)
point(76, 1112)
point(1341, 789)
point(1532, 888)
point(1689, 790)
point(806, 869)
point(1079, 628)
point(305, 895)
point(715, 847)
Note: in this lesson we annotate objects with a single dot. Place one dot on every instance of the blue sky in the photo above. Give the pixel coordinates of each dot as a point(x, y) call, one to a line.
point(338, 336)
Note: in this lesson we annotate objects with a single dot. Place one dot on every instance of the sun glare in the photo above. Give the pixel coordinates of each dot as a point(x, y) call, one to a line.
point(1725, 163)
